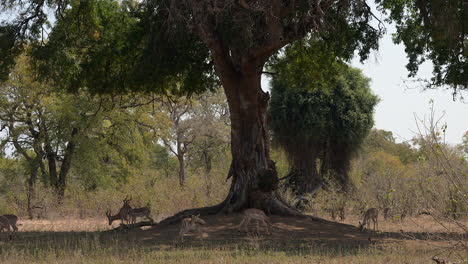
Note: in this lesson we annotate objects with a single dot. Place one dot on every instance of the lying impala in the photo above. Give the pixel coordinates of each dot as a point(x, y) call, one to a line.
point(190, 223)
point(371, 215)
point(255, 214)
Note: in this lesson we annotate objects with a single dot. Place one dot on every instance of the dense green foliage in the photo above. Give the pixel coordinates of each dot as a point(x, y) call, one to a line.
point(319, 106)
point(112, 47)
point(123, 45)
point(434, 30)
point(54, 131)
point(109, 46)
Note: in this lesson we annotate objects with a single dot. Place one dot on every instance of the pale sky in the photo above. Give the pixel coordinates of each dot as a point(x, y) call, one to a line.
point(398, 104)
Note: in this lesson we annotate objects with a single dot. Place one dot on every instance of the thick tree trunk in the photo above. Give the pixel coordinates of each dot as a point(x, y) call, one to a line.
point(339, 164)
point(66, 165)
point(254, 178)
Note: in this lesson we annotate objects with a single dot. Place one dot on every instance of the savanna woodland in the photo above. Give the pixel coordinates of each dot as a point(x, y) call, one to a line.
point(160, 103)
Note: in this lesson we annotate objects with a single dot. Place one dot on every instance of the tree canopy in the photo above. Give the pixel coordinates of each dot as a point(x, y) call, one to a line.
point(433, 30)
point(320, 107)
point(124, 45)
point(154, 40)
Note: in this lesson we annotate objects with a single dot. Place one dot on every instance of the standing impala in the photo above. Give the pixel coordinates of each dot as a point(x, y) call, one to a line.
point(371, 215)
point(125, 210)
point(12, 219)
point(255, 214)
point(140, 212)
point(122, 214)
point(5, 224)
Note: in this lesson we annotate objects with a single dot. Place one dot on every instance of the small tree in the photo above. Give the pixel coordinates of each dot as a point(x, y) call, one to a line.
point(182, 134)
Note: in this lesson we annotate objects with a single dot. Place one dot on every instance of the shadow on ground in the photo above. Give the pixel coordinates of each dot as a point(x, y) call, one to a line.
point(289, 235)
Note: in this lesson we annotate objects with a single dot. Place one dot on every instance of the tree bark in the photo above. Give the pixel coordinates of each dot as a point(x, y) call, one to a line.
point(180, 157)
point(339, 163)
point(31, 182)
point(180, 151)
point(208, 176)
point(66, 165)
point(254, 177)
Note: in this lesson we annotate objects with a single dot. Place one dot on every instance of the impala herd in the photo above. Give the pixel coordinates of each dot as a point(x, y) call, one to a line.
point(129, 215)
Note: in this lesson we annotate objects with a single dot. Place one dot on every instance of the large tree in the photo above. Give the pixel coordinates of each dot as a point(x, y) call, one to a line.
point(114, 46)
point(321, 109)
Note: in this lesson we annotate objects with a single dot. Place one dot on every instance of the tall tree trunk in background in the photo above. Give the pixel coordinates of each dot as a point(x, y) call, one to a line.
point(34, 163)
point(208, 165)
point(180, 157)
point(339, 163)
point(31, 182)
point(304, 179)
point(58, 179)
point(181, 160)
point(66, 165)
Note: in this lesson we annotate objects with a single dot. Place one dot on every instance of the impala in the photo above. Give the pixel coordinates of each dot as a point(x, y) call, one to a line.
point(371, 215)
point(122, 214)
point(125, 210)
point(140, 212)
point(113, 218)
point(4, 224)
point(190, 223)
point(12, 219)
point(255, 214)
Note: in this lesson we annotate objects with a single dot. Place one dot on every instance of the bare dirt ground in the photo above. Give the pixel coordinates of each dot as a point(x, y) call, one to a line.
point(224, 230)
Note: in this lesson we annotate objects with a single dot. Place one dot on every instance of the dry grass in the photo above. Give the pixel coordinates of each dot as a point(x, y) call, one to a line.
point(293, 241)
point(419, 224)
point(65, 225)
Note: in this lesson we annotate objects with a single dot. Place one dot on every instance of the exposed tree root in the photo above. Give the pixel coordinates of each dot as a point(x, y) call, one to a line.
point(273, 206)
point(210, 210)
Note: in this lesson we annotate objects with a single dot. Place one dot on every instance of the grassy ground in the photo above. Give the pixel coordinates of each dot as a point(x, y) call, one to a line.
point(293, 240)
